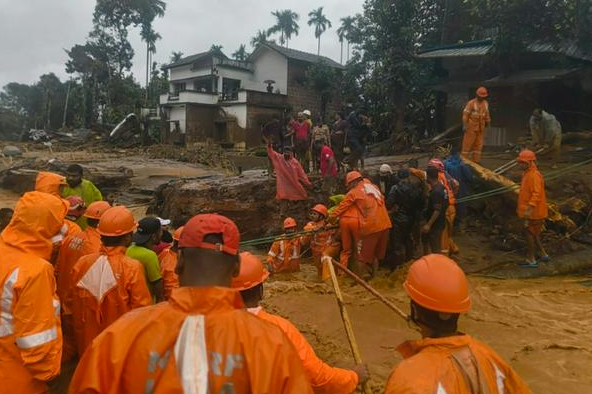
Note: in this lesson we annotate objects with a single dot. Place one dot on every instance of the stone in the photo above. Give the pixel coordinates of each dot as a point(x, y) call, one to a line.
point(11, 150)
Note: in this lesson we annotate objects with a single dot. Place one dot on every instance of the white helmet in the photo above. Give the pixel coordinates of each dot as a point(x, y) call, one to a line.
point(307, 113)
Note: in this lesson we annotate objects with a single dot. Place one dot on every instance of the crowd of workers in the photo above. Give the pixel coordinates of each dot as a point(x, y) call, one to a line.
point(145, 309)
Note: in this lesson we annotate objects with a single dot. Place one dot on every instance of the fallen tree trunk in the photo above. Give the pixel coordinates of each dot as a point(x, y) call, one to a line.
point(488, 180)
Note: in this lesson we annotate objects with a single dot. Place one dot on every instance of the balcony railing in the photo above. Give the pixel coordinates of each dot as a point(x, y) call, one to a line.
point(189, 96)
point(235, 64)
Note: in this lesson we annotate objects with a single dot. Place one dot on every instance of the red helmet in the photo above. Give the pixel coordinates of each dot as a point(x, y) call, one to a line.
point(482, 92)
point(252, 272)
point(320, 209)
point(77, 207)
point(436, 163)
point(96, 209)
point(117, 221)
point(352, 176)
point(289, 223)
point(526, 156)
point(438, 284)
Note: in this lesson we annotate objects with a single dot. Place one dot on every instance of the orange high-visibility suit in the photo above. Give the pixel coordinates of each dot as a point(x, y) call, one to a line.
point(104, 286)
point(475, 118)
point(284, 255)
point(349, 226)
point(321, 243)
point(447, 243)
point(49, 182)
point(452, 365)
point(72, 248)
point(532, 194)
point(323, 378)
point(367, 202)
point(168, 263)
point(198, 340)
point(30, 333)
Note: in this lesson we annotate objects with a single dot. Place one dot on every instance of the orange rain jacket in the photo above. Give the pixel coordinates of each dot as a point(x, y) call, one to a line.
point(168, 263)
point(199, 339)
point(105, 285)
point(284, 255)
point(447, 365)
point(49, 182)
point(371, 208)
point(320, 240)
point(30, 333)
point(476, 115)
point(72, 249)
point(532, 193)
point(323, 378)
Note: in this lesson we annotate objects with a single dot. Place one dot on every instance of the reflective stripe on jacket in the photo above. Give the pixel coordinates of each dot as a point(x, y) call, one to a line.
point(30, 332)
point(199, 341)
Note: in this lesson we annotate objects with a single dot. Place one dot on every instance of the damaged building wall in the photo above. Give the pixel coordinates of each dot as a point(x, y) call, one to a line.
point(301, 96)
point(200, 123)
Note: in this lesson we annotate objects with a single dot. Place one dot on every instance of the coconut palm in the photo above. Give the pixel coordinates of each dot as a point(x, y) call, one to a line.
point(217, 49)
point(346, 30)
point(176, 56)
point(150, 37)
point(259, 38)
point(241, 53)
point(286, 24)
point(321, 24)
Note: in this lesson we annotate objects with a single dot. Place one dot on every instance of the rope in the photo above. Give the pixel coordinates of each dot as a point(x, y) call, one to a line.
point(273, 238)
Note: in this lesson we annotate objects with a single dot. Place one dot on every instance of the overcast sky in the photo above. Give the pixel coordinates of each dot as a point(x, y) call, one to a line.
point(34, 33)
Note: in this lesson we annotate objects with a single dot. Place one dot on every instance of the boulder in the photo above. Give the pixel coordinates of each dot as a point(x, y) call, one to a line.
point(11, 150)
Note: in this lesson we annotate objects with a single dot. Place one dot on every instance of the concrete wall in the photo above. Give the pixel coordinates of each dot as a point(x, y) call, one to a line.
point(185, 72)
point(178, 113)
point(270, 65)
point(200, 123)
point(239, 111)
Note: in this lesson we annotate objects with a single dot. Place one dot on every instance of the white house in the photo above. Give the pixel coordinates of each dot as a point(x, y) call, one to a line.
point(213, 98)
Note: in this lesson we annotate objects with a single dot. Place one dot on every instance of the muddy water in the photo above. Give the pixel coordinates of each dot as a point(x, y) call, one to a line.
point(541, 327)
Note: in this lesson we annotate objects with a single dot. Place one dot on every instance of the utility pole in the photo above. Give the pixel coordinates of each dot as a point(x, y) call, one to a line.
point(66, 104)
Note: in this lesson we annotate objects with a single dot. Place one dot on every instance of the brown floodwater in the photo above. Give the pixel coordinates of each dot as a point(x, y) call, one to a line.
point(540, 326)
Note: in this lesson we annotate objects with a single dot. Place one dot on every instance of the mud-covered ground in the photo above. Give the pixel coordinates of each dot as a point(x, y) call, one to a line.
point(540, 326)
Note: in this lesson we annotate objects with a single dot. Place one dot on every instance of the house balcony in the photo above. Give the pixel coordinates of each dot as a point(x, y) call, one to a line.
point(189, 96)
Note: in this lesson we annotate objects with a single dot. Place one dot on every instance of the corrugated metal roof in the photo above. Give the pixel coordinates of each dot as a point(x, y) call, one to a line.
point(566, 48)
point(531, 76)
point(480, 50)
point(302, 56)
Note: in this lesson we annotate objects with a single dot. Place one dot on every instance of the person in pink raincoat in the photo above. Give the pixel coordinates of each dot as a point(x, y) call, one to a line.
point(290, 178)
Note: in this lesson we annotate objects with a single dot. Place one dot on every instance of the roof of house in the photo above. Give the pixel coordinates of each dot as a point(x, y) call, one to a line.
point(483, 47)
point(531, 76)
point(299, 55)
point(191, 59)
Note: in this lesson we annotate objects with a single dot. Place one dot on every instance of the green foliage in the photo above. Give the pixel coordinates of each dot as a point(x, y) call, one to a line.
point(321, 24)
point(323, 79)
point(286, 24)
point(259, 38)
point(241, 53)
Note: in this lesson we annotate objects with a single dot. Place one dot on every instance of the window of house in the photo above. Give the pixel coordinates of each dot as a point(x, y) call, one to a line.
point(230, 88)
point(180, 87)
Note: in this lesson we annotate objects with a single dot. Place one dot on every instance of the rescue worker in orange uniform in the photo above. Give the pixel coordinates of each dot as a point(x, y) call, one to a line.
point(200, 341)
point(284, 254)
point(107, 284)
point(364, 200)
point(30, 333)
point(475, 120)
point(168, 264)
point(446, 361)
point(322, 242)
point(323, 378)
point(532, 208)
point(71, 250)
point(54, 184)
point(448, 246)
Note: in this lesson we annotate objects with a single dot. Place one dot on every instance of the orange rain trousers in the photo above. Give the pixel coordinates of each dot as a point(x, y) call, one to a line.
point(532, 194)
point(168, 264)
point(323, 378)
point(374, 247)
point(475, 117)
point(30, 333)
point(447, 242)
point(446, 365)
point(350, 240)
point(244, 353)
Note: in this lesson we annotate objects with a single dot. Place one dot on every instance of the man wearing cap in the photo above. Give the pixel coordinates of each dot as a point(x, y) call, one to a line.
point(107, 284)
point(475, 120)
point(168, 263)
point(166, 239)
point(445, 360)
point(200, 341)
point(146, 236)
point(386, 179)
point(323, 377)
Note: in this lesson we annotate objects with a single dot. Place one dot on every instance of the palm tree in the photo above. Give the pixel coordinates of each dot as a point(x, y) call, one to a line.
point(241, 53)
point(286, 24)
point(259, 38)
point(321, 23)
point(176, 56)
point(341, 35)
point(346, 31)
point(150, 37)
point(217, 49)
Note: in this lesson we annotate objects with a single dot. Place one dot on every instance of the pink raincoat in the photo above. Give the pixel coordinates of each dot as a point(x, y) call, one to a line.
point(289, 177)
